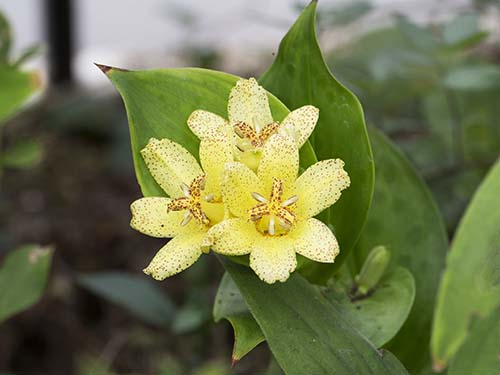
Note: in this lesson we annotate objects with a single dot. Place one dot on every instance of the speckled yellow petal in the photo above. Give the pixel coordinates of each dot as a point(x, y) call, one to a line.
point(177, 255)
point(150, 216)
point(280, 159)
point(238, 184)
point(320, 186)
point(248, 103)
point(273, 258)
point(214, 154)
point(206, 124)
point(233, 237)
point(300, 123)
point(315, 241)
point(170, 164)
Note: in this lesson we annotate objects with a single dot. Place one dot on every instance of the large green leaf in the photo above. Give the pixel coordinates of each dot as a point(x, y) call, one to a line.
point(23, 278)
point(305, 332)
point(470, 285)
point(159, 102)
point(299, 76)
point(405, 218)
point(380, 314)
point(136, 293)
point(15, 88)
point(479, 355)
point(230, 305)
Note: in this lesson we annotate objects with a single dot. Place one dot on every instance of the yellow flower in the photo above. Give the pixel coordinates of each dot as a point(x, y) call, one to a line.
point(274, 210)
point(194, 205)
point(251, 124)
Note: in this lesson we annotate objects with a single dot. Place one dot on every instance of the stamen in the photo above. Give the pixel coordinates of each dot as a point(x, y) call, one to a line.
point(187, 218)
point(185, 190)
point(256, 124)
point(271, 227)
point(203, 182)
point(290, 201)
point(280, 213)
point(238, 131)
point(283, 224)
point(258, 197)
point(240, 148)
point(191, 202)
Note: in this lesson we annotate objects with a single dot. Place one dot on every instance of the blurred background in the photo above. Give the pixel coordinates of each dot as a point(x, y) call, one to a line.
point(426, 72)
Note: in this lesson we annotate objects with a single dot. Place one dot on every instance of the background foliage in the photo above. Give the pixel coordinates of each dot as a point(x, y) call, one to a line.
point(68, 179)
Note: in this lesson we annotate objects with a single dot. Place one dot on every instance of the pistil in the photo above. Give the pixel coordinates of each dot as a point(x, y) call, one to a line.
point(277, 210)
point(191, 202)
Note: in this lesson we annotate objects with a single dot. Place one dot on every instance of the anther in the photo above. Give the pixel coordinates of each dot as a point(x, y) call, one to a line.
point(283, 224)
point(256, 124)
point(203, 181)
point(187, 218)
point(290, 201)
point(185, 190)
point(271, 228)
point(238, 131)
point(258, 197)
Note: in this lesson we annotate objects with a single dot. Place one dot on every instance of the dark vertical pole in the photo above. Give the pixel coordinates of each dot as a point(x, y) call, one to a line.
point(58, 25)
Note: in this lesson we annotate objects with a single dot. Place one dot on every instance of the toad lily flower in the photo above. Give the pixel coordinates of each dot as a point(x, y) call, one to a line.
point(274, 210)
point(251, 123)
point(193, 207)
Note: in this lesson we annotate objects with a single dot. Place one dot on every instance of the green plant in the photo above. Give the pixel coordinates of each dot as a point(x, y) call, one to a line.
point(311, 320)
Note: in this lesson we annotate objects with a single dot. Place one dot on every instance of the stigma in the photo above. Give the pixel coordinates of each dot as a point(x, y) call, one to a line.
point(279, 213)
point(191, 202)
point(253, 138)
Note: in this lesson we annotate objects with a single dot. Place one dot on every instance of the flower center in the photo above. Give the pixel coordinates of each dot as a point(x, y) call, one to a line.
point(191, 201)
point(280, 214)
point(252, 138)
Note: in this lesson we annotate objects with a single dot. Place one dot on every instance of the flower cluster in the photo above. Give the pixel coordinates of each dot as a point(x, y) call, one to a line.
point(247, 196)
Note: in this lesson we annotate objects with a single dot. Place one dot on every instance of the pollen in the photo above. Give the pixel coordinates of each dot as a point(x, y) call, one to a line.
point(274, 216)
point(191, 202)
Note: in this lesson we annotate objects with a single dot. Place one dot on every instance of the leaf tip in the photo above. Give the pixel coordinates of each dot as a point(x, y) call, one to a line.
point(234, 361)
point(438, 365)
point(106, 69)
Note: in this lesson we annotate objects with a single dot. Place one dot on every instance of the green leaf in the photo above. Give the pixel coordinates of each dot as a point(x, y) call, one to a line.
point(230, 305)
point(479, 354)
point(16, 88)
point(344, 14)
point(299, 76)
point(23, 277)
point(420, 37)
point(405, 219)
point(470, 285)
point(305, 332)
point(5, 39)
point(463, 30)
point(473, 77)
point(135, 293)
point(194, 312)
point(379, 315)
point(159, 102)
point(27, 55)
point(24, 154)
